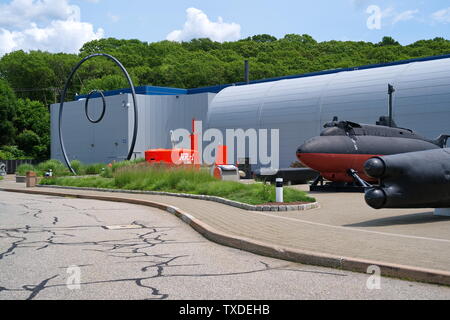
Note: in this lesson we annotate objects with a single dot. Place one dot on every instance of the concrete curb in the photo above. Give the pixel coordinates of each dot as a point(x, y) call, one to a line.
point(270, 250)
point(240, 205)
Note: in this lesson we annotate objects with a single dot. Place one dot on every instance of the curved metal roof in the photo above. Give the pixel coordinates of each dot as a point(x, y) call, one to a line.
point(299, 107)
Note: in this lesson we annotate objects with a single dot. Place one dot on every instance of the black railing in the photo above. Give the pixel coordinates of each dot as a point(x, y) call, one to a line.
point(11, 165)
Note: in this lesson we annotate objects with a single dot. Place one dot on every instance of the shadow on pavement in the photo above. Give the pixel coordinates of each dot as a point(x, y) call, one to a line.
point(409, 219)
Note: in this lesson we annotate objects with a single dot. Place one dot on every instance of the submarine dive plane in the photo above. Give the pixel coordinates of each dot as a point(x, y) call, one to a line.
point(410, 180)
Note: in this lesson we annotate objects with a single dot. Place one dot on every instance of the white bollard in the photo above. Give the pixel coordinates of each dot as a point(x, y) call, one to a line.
point(279, 190)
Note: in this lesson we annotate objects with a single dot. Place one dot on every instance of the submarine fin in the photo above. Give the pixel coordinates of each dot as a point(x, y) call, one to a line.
point(353, 124)
point(441, 141)
point(332, 123)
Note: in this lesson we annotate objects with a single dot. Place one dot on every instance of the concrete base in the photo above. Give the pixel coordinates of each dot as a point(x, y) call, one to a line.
point(443, 212)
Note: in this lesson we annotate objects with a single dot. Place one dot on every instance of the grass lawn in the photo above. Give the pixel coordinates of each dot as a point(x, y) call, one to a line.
point(59, 169)
point(179, 180)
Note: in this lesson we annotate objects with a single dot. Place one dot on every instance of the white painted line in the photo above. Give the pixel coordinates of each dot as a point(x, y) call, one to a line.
point(354, 229)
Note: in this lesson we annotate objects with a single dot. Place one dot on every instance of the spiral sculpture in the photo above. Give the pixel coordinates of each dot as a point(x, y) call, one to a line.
point(63, 97)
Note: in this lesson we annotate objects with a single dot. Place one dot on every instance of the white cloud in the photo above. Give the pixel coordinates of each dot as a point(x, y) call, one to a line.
point(20, 13)
point(442, 16)
point(390, 16)
point(389, 12)
point(405, 16)
point(48, 25)
point(198, 25)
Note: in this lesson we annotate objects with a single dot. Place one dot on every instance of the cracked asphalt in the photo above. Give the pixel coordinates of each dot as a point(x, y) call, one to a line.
point(43, 239)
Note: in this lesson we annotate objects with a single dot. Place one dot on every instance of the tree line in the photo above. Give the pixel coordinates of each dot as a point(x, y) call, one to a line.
point(30, 81)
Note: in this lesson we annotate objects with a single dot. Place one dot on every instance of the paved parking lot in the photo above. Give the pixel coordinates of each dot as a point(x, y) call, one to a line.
point(46, 242)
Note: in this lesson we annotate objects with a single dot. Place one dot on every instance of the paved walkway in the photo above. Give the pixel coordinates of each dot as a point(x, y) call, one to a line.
point(344, 226)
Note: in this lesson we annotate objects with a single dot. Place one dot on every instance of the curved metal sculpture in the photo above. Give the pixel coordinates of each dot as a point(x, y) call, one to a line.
point(63, 97)
point(86, 104)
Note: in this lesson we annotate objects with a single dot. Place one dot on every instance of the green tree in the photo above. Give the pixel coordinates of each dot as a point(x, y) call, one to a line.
point(7, 113)
point(34, 116)
point(262, 38)
point(40, 75)
point(36, 75)
point(11, 153)
point(202, 44)
point(109, 82)
point(29, 142)
point(388, 41)
point(303, 39)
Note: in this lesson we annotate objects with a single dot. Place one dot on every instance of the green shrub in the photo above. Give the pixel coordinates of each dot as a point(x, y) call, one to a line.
point(91, 169)
point(24, 168)
point(138, 160)
point(1, 178)
point(92, 182)
point(106, 172)
point(11, 153)
point(27, 141)
point(267, 193)
point(135, 176)
point(95, 168)
point(78, 167)
point(58, 168)
point(5, 155)
point(126, 163)
point(183, 180)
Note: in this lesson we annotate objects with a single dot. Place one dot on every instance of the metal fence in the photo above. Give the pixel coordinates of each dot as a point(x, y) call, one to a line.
point(11, 165)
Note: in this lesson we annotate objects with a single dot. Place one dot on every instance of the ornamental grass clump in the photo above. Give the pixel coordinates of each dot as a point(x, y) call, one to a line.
point(138, 175)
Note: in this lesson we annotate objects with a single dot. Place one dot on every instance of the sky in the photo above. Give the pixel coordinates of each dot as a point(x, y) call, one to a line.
point(65, 25)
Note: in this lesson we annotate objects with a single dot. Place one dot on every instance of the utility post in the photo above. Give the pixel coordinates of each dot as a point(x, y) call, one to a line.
point(391, 91)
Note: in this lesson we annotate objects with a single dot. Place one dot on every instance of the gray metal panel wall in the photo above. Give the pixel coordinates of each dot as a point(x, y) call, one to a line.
point(111, 137)
point(161, 114)
point(87, 142)
point(422, 100)
point(300, 107)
